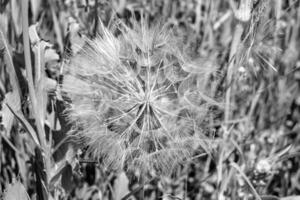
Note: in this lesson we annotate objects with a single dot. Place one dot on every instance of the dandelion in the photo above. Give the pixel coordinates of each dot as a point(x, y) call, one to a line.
point(135, 100)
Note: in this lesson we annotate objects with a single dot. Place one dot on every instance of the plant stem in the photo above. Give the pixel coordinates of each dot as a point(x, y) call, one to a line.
point(233, 50)
point(44, 168)
point(242, 14)
point(28, 66)
point(234, 46)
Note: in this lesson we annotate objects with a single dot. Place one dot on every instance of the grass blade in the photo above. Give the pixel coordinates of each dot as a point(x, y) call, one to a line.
point(25, 124)
point(237, 168)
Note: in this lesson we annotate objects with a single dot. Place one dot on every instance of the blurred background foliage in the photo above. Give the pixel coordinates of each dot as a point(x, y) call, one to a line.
point(256, 149)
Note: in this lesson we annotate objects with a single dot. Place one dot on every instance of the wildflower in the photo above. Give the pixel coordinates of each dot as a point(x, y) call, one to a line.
point(263, 166)
point(135, 101)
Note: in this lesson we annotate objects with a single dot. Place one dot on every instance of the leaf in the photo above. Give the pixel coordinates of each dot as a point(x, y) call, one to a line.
point(50, 84)
point(283, 151)
point(41, 175)
point(89, 192)
point(61, 166)
point(60, 108)
point(16, 191)
point(61, 140)
point(35, 7)
point(9, 62)
point(61, 145)
point(139, 188)
point(14, 96)
point(46, 48)
point(33, 35)
point(290, 198)
point(121, 186)
point(25, 124)
point(14, 99)
point(50, 55)
point(67, 178)
point(237, 168)
point(38, 48)
point(42, 54)
point(16, 16)
point(4, 20)
point(55, 173)
point(56, 27)
point(269, 197)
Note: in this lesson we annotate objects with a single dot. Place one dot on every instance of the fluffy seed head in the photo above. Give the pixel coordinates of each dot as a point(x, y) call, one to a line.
point(136, 98)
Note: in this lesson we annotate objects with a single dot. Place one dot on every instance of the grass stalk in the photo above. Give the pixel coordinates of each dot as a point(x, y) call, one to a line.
point(238, 169)
point(34, 104)
point(28, 66)
point(233, 50)
point(9, 61)
point(242, 14)
point(198, 16)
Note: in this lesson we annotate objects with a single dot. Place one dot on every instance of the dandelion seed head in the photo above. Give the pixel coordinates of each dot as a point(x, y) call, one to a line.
point(133, 101)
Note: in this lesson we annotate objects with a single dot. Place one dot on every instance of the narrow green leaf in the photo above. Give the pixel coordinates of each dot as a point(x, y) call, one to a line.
point(25, 124)
point(237, 168)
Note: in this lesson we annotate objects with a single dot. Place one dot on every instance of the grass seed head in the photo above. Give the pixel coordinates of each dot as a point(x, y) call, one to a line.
point(133, 100)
